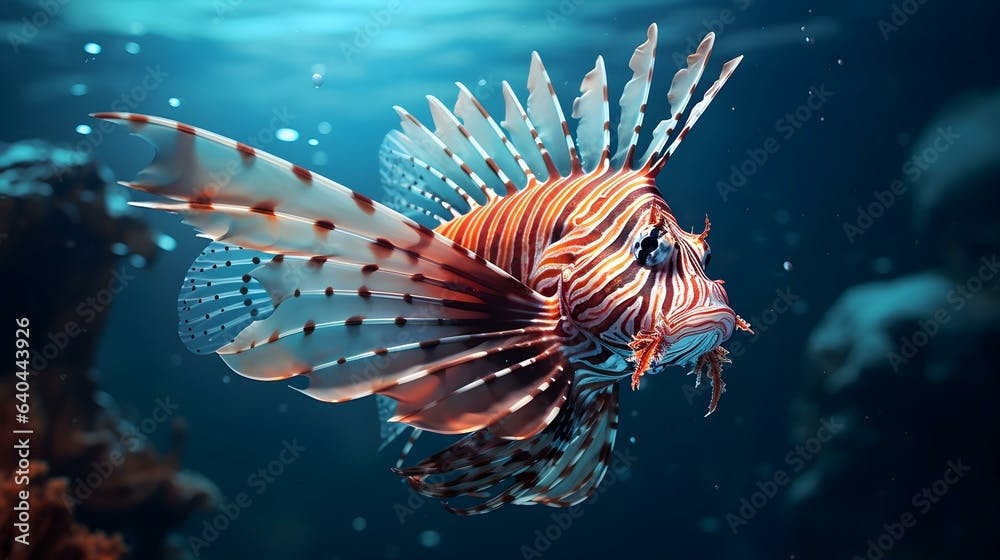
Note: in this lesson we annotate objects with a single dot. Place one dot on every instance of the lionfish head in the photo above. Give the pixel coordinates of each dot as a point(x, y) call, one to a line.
point(654, 299)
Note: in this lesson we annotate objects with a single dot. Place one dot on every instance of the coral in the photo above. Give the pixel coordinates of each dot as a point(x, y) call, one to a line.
point(54, 533)
point(65, 236)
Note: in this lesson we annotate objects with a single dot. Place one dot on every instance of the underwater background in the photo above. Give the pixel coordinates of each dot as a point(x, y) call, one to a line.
point(850, 169)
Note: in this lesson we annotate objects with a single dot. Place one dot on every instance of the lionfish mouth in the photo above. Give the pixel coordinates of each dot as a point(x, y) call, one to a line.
point(663, 346)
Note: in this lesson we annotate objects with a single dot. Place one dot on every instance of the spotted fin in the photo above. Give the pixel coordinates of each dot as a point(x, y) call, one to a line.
point(560, 467)
point(365, 301)
point(219, 298)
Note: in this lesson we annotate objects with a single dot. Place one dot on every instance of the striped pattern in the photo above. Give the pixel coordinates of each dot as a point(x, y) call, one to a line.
point(525, 272)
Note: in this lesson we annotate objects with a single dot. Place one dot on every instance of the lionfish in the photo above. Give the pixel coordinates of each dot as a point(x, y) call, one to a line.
point(520, 276)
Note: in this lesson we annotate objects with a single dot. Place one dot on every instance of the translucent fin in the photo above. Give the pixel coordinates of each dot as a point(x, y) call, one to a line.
point(594, 128)
point(218, 298)
point(559, 467)
point(699, 109)
point(545, 112)
point(491, 180)
point(487, 132)
point(524, 135)
point(365, 300)
point(413, 186)
point(681, 90)
point(633, 99)
point(427, 146)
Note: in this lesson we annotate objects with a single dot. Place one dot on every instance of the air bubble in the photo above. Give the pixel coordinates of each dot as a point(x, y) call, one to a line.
point(787, 265)
point(92, 48)
point(132, 47)
point(313, 142)
point(324, 127)
point(317, 79)
point(83, 129)
point(174, 102)
point(287, 134)
point(359, 524)
point(78, 89)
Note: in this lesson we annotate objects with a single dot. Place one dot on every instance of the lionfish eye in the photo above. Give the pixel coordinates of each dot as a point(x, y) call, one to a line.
point(652, 247)
point(706, 256)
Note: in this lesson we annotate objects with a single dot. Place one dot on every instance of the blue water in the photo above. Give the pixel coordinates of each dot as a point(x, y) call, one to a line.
point(825, 108)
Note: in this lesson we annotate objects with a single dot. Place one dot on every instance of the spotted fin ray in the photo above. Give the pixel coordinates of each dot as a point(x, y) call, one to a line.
point(365, 301)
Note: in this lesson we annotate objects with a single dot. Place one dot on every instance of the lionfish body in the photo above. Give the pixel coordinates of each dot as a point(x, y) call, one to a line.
point(524, 274)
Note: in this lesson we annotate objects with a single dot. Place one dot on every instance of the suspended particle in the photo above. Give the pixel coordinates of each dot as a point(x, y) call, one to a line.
point(78, 89)
point(317, 79)
point(324, 127)
point(429, 538)
point(359, 524)
point(83, 129)
point(313, 142)
point(132, 47)
point(174, 102)
point(787, 266)
point(92, 48)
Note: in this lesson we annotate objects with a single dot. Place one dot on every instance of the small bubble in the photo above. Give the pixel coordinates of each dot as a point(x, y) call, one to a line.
point(165, 242)
point(324, 127)
point(137, 261)
point(429, 538)
point(313, 142)
point(317, 79)
point(481, 82)
point(287, 134)
point(136, 28)
point(92, 48)
point(787, 265)
point(803, 28)
point(359, 523)
point(132, 47)
point(840, 62)
point(716, 487)
point(226, 379)
point(78, 89)
point(83, 129)
point(810, 40)
point(119, 248)
point(632, 439)
point(174, 102)
point(319, 158)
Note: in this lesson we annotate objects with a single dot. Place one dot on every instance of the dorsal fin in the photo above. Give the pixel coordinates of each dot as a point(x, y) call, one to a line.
point(469, 157)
